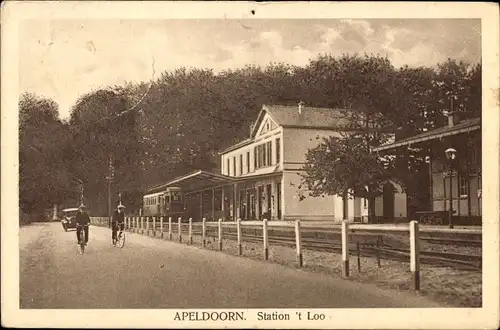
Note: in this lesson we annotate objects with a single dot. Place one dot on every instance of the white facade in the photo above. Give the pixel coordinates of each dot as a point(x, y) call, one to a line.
point(269, 163)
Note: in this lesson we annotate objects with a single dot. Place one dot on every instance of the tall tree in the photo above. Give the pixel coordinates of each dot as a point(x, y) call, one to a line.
point(103, 130)
point(44, 178)
point(344, 166)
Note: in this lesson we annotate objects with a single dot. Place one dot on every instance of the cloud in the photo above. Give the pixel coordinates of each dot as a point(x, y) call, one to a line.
point(266, 47)
point(401, 43)
point(63, 59)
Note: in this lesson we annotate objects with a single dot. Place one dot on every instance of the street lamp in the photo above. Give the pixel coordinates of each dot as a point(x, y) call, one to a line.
point(450, 156)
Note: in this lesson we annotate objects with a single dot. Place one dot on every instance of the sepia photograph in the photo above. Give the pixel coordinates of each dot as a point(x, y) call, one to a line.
point(250, 166)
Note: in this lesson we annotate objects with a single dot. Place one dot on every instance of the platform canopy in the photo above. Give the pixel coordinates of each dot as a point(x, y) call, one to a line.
point(438, 133)
point(196, 181)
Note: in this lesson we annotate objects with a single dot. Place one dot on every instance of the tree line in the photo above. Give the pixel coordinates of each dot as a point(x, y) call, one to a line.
point(185, 116)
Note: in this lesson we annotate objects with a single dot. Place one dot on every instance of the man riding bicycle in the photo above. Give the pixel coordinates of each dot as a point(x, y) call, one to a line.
point(82, 222)
point(117, 221)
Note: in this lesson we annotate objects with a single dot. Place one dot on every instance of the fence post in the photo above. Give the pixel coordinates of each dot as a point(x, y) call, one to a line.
point(154, 226)
point(378, 251)
point(190, 232)
point(238, 230)
point(147, 225)
point(142, 225)
point(264, 238)
point(345, 248)
point(161, 227)
point(203, 230)
point(179, 228)
point(415, 254)
point(298, 242)
point(170, 228)
point(135, 224)
point(358, 255)
point(220, 234)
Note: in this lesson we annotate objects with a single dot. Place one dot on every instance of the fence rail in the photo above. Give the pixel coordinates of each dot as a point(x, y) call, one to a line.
point(346, 238)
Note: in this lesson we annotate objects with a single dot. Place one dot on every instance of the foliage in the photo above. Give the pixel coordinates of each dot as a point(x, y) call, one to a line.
point(352, 169)
point(377, 98)
point(184, 117)
point(103, 131)
point(44, 178)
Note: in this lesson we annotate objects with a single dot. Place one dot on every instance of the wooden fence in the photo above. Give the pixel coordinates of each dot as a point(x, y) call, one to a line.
point(158, 227)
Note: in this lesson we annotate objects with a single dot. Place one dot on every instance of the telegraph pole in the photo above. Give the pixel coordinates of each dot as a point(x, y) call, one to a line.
point(81, 193)
point(109, 179)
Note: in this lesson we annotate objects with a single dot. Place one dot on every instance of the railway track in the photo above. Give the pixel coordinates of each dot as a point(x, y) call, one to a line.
point(453, 260)
point(326, 240)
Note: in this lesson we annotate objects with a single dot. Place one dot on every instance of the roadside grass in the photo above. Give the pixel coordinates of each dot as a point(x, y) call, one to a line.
point(451, 287)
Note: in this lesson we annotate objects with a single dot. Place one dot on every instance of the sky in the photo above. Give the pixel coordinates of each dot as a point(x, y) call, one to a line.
point(64, 59)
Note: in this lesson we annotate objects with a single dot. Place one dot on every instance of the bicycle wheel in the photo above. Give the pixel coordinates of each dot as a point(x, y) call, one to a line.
point(82, 241)
point(121, 239)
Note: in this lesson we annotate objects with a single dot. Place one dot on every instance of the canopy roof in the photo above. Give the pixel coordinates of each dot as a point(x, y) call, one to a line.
point(72, 209)
point(438, 133)
point(197, 180)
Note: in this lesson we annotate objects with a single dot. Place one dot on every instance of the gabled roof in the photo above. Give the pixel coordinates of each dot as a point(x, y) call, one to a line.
point(309, 117)
point(288, 116)
point(462, 127)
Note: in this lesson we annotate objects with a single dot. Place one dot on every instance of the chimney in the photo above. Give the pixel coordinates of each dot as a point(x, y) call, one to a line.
point(301, 103)
point(453, 118)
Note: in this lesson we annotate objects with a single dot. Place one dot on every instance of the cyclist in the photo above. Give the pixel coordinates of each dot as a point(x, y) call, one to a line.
point(118, 219)
point(82, 221)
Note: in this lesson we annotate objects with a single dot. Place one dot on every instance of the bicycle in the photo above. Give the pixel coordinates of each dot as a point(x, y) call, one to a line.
point(120, 237)
point(81, 238)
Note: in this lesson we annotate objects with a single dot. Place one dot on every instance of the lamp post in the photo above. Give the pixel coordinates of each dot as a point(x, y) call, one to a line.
point(450, 156)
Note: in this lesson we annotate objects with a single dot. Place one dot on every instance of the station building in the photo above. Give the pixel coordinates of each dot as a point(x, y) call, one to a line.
point(461, 178)
point(260, 175)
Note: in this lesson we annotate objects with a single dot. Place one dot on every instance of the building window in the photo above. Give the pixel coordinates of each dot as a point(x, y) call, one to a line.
point(234, 166)
point(463, 188)
point(259, 155)
point(255, 149)
point(241, 164)
point(269, 153)
point(264, 154)
point(228, 167)
point(248, 161)
point(278, 151)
